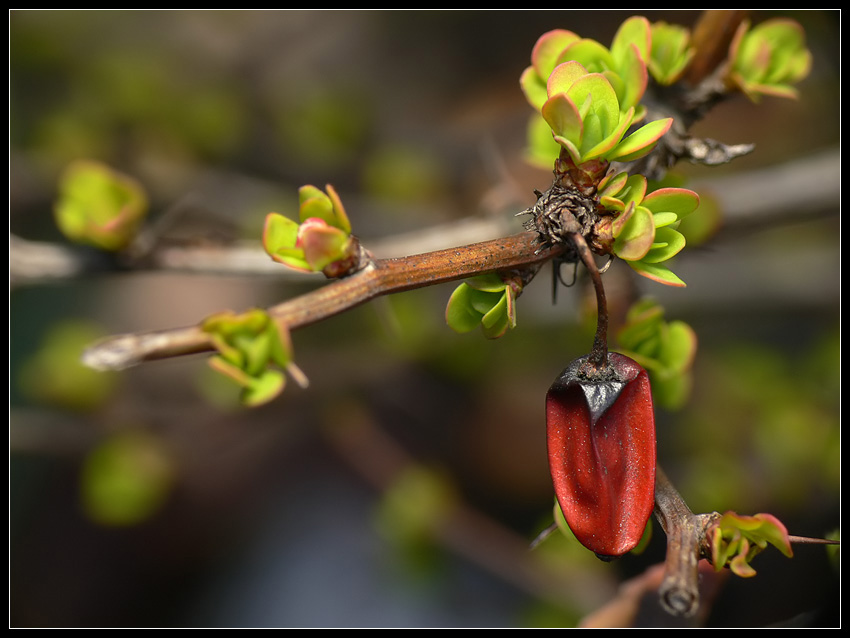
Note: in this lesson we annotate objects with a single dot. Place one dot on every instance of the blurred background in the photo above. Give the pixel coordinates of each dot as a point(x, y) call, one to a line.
point(404, 486)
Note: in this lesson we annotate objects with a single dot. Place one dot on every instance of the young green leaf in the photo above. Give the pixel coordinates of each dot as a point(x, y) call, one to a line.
point(671, 52)
point(634, 233)
point(486, 301)
point(666, 244)
point(657, 272)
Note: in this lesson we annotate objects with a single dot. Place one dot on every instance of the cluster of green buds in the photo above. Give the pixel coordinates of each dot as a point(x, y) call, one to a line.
point(99, 206)
point(320, 242)
point(247, 345)
point(589, 95)
point(641, 227)
point(767, 59)
point(736, 540)
point(589, 99)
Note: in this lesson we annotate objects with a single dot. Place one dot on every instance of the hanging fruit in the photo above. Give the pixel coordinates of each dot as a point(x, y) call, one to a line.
point(600, 431)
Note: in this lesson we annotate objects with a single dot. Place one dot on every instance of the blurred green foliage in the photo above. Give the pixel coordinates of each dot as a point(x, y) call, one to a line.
point(99, 206)
point(762, 427)
point(54, 374)
point(126, 478)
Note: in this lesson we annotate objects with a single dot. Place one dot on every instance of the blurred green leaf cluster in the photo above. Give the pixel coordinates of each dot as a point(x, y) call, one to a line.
point(670, 53)
point(99, 206)
point(766, 420)
point(665, 349)
point(769, 58)
point(126, 478)
point(55, 374)
point(412, 510)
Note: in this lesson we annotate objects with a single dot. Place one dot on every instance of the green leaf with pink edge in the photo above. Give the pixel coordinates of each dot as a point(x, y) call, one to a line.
point(634, 77)
point(548, 48)
point(612, 184)
point(657, 272)
point(679, 201)
point(342, 221)
point(544, 57)
point(667, 244)
point(610, 141)
point(634, 31)
point(533, 88)
point(322, 244)
point(737, 539)
point(597, 93)
point(633, 233)
point(564, 76)
point(592, 55)
point(313, 203)
point(634, 190)
point(564, 119)
point(630, 50)
point(280, 235)
point(641, 142)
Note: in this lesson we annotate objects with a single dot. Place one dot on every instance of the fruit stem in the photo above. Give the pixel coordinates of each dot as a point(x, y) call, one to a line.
point(598, 357)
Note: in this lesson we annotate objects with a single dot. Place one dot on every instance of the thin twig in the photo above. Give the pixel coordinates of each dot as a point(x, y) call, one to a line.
point(380, 277)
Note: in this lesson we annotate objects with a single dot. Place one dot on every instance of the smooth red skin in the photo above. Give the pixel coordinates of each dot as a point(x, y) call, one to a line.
point(604, 474)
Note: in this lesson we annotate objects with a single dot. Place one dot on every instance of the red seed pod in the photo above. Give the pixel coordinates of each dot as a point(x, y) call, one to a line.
point(600, 431)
